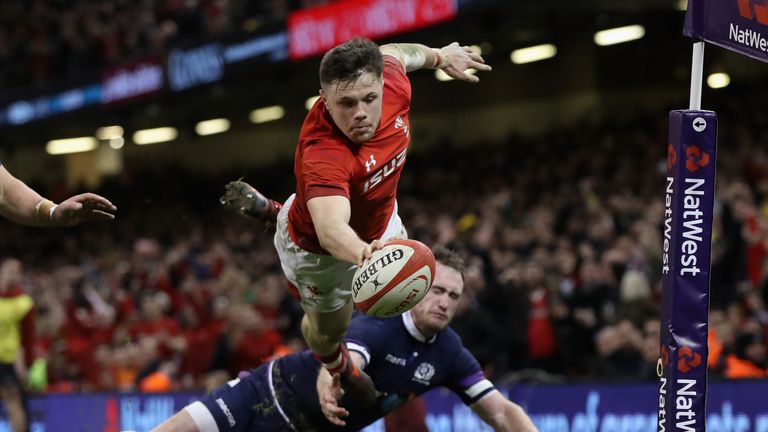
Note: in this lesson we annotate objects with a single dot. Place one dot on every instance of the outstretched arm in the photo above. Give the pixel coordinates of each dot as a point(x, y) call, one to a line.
point(21, 204)
point(453, 59)
point(503, 415)
point(18, 202)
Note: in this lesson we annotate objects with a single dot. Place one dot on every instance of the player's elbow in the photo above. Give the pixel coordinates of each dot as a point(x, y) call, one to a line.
point(329, 231)
point(325, 236)
point(511, 419)
point(499, 421)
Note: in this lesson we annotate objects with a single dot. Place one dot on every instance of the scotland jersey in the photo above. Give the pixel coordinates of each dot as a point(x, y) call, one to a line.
point(282, 395)
point(401, 361)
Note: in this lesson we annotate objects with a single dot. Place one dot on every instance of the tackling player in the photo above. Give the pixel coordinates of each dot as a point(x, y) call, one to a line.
point(405, 356)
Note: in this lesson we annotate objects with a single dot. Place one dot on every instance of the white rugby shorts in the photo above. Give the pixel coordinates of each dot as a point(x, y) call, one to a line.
point(323, 281)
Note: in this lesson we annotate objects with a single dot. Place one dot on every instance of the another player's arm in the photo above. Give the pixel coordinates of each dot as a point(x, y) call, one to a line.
point(21, 204)
point(180, 422)
point(329, 392)
point(502, 414)
point(330, 216)
point(453, 59)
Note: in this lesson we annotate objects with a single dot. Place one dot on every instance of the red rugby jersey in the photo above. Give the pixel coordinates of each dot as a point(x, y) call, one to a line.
point(328, 163)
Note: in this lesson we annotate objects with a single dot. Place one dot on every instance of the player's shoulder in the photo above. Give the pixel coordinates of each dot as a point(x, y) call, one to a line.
point(326, 146)
point(395, 78)
point(392, 63)
point(318, 126)
point(363, 320)
point(449, 340)
point(374, 327)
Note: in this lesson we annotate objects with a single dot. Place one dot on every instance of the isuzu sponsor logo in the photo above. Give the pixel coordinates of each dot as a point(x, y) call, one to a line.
point(385, 171)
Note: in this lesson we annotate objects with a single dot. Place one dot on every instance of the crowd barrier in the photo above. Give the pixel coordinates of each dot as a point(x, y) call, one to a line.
point(732, 406)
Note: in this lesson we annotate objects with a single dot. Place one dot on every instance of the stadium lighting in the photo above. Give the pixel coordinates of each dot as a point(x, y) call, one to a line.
point(117, 142)
point(619, 35)
point(310, 102)
point(213, 126)
point(109, 132)
point(266, 114)
point(533, 53)
point(156, 135)
point(682, 5)
point(71, 145)
point(718, 80)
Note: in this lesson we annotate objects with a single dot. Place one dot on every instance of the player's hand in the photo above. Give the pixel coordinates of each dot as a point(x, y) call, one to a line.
point(82, 208)
point(458, 59)
point(329, 397)
point(368, 250)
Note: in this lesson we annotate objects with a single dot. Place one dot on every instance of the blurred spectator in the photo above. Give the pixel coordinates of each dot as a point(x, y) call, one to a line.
point(16, 321)
point(748, 359)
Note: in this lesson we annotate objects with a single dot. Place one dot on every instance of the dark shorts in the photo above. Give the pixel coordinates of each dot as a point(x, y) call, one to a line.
point(242, 405)
point(8, 377)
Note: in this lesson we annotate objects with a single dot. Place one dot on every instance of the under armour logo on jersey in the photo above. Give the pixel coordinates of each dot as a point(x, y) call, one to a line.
point(400, 123)
point(370, 163)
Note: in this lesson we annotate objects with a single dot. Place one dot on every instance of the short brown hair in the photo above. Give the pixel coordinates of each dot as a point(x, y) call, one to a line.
point(450, 258)
point(345, 63)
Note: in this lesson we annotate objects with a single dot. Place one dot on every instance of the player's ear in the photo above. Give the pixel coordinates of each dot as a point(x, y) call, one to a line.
point(322, 95)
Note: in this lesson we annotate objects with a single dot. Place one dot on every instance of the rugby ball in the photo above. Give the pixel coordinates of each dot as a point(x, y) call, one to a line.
point(395, 279)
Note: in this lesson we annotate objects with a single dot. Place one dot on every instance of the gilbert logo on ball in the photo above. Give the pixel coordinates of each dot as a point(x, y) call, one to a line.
point(395, 279)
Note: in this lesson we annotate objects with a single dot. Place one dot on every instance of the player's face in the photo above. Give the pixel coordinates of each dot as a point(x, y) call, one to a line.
point(355, 108)
point(436, 310)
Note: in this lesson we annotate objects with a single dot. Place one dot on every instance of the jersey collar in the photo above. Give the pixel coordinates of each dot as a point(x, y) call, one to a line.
point(411, 327)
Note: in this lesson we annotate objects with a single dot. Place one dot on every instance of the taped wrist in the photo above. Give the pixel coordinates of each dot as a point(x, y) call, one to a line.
point(439, 59)
point(44, 210)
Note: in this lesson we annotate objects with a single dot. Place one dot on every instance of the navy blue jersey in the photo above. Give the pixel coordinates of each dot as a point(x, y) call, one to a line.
point(401, 362)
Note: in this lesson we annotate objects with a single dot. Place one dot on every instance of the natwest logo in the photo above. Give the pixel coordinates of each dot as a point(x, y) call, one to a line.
point(671, 157)
point(688, 359)
point(695, 158)
point(754, 10)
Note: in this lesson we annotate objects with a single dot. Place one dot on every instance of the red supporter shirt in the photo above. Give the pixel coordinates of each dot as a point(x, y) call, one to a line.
point(328, 163)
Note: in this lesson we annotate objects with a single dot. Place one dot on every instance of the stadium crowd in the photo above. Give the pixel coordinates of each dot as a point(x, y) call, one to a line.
point(562, 233)
point(45, 41)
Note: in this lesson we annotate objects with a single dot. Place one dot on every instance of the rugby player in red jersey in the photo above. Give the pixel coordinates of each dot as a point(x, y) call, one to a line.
point(351, 151)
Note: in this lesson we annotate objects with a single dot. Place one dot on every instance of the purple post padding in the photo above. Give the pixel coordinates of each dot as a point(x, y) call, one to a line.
point(687, 232)
point(737, 25)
